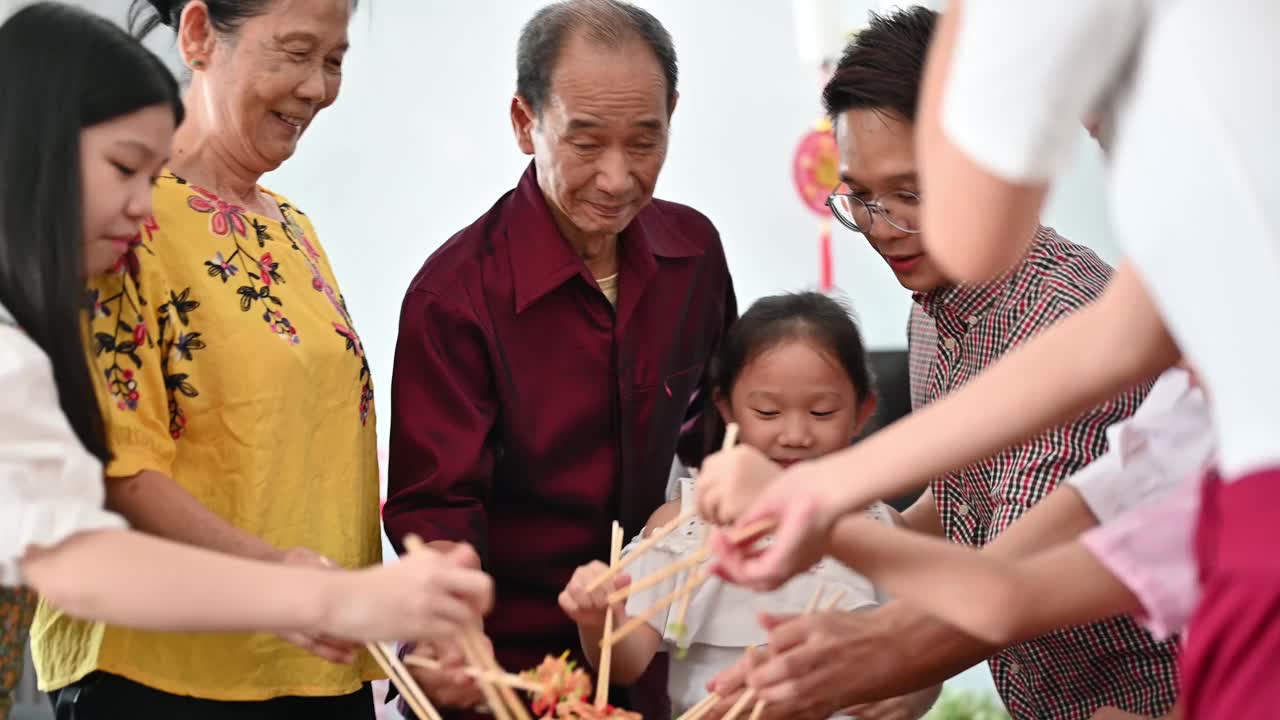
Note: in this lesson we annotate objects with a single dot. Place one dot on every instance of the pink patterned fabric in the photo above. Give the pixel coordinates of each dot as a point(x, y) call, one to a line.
point(1150, 549)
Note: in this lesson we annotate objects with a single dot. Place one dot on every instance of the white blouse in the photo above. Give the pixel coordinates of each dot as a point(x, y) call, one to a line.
point(722, 618)
point(51, 487)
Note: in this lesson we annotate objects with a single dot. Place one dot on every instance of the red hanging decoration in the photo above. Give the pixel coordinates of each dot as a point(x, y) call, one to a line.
point(815, 170)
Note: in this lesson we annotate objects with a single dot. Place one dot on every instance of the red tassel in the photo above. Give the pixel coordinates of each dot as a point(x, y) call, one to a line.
point(826, 278)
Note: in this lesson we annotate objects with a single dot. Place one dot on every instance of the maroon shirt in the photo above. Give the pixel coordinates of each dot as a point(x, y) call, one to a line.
point(527, 414)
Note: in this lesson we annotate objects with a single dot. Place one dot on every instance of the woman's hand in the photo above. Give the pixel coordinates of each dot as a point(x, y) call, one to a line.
point(427, 595)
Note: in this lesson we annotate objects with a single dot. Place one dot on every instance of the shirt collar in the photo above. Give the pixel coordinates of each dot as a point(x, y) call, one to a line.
point(542, 260)
point(956, 308)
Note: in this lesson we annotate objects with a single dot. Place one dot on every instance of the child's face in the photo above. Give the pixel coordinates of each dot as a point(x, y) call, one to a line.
point(795, 402)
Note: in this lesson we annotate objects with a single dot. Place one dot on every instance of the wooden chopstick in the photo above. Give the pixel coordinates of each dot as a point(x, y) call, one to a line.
point(730, 438)
point(658, 607)
point(702, 708)
point(505, 694)
point(649, 581)
point(399, 676)
point(739, 706)
point(754, 530)
point(817, 598)
point(645, 546)
point(487, 688)
point(472, 642)
point(508, 679)
point(606, 651)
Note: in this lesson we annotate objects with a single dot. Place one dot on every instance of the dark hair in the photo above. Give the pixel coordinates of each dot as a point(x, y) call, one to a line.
point(225, 15)
point(773, 320)
point(61, 70)
point(608, 22)
point(882, 66)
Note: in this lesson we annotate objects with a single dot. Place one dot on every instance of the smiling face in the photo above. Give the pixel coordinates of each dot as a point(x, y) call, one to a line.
point(258, 88)
point(796, 402)
point(601, 138)
point(877, 156)
point(119, 160)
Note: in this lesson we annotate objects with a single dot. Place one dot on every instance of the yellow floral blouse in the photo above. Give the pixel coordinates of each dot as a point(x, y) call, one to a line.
point(229, 362)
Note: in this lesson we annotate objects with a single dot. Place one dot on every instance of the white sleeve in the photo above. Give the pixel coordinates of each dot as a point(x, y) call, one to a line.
point(1167, 440)
point(51, 487)
point(651, 562)
point(1024, 74)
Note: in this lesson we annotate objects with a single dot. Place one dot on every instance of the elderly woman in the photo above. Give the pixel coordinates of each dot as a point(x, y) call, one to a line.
point(238, 398)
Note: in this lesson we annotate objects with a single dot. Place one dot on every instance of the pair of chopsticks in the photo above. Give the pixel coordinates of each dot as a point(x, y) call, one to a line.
point(496, 678)
point(751, 531)
point(606, 650)
point(399, 675)
point(494, 683)
point(730, 438)
point(404, 682)
point(683, 593)
point(500, 697)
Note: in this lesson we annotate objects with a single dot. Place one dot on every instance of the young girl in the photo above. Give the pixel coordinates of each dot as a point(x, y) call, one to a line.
point(87, 116)
point(793, 376)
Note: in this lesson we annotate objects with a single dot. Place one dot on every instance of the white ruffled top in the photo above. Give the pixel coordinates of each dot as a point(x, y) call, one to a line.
point(723, 619)
point(51, 487)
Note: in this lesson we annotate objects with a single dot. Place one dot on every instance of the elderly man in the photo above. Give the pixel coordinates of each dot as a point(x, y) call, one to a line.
point(551, 354)
point(962, 329)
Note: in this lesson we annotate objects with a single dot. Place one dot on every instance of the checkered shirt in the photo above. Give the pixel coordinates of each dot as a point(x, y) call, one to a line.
point(1070, 673)
point(922, 345)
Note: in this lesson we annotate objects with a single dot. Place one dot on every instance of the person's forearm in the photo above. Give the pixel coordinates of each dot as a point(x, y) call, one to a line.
point(924, 652)
point(629, 658)
point(999, 600)
point(127, 578)
point(1084, 360)
point(946, 580)
point(155, 504)
point(977, 234)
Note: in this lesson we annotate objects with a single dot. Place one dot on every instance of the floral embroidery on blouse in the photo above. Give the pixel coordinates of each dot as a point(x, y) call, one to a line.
point(229, 221)
point(130, 332)
point(298, 237)
point(256, 275)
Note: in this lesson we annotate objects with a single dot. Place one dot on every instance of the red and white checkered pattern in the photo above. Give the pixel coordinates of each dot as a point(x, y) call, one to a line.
point(1071, 673)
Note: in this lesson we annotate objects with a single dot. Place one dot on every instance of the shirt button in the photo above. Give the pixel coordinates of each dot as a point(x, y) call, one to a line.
point(950, 343)
point(1014, 668)
point(973, 319)
point(962, 510)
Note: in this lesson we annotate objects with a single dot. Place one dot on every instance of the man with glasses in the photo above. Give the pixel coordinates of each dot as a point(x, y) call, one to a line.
point(956, 331)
